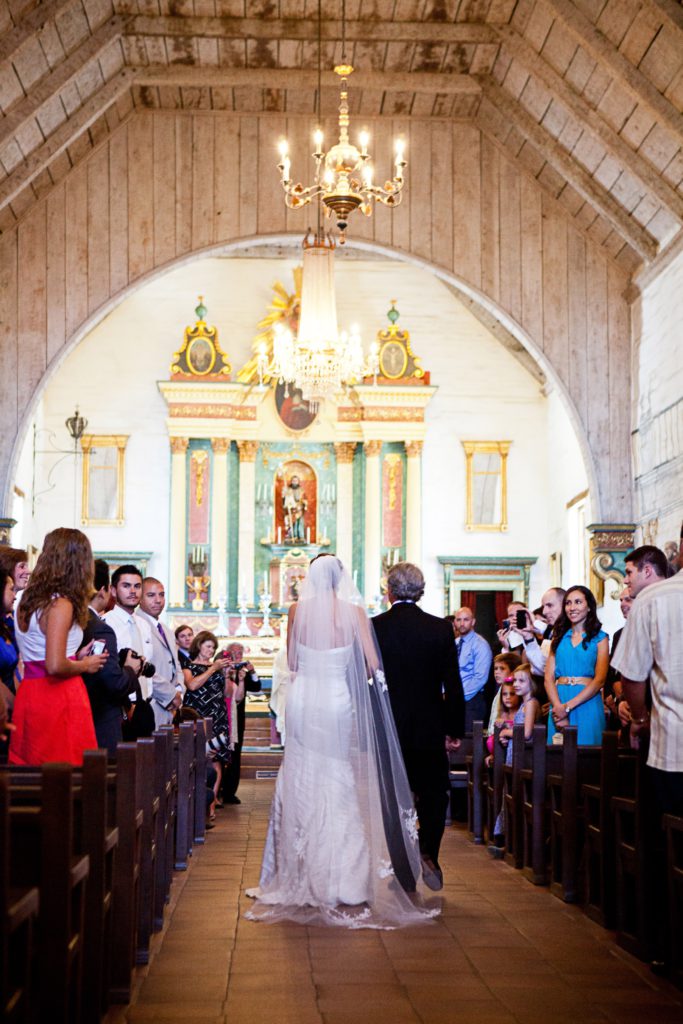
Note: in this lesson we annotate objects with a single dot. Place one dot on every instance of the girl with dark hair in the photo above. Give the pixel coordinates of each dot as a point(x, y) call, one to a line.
point(52, 716)
point(576, 668)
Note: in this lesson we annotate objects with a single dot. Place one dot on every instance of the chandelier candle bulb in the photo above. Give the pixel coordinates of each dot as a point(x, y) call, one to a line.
point(318, 140)
point(364, 138)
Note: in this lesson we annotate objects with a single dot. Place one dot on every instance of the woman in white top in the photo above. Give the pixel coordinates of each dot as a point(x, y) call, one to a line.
point(52, 716)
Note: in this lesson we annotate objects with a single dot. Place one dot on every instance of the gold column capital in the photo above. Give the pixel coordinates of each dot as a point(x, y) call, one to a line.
point(179, 445)
point(344, 450)
point(413, 448)
point(372, 448)
point(220, 444)
point(247, 450)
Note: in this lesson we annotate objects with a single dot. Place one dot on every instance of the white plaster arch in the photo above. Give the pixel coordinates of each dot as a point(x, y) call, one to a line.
point(291, 241)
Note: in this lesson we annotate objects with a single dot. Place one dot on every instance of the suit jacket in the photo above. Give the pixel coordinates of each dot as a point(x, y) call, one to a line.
point(421, 668)
point(107, 689)
point(165, 659)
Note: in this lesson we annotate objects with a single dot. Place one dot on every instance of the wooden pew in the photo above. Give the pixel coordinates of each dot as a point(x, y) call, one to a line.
point(545, 759)
point(149, 802)
point(476, 785)
point(674, 843)
point(165, 831)
point(457, 774)
point(617, 778)
point(579, 765)
point(42, 854)
point(494, 788)
point(185, 771)
point(19, 908)
point(127, 874)
point(631, 889)
point(201, 737)
point(513, 798)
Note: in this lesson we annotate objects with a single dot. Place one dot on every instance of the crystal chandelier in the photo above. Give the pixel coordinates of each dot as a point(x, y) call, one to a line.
point(320, 360)
point(343, 175)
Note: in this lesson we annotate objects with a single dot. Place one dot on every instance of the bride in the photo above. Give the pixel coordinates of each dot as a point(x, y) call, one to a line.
point(342, 844)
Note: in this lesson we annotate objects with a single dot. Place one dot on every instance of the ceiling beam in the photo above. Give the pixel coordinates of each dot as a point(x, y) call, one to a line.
point(30, 25)
point(599, 47)
point(579, 179)
point(64, 137)
point(591, 121)
point(670, 11)
point(307, 29)
point(51, 84)
point(274, 78)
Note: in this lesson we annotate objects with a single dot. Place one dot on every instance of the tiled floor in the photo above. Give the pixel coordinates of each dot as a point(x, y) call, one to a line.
point(502, 951)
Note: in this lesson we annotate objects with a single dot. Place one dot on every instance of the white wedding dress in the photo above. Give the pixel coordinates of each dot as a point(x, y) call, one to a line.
point(341, 802)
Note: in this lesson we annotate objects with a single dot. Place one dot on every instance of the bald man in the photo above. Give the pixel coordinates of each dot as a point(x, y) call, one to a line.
point(474, 659)
point(167, 683)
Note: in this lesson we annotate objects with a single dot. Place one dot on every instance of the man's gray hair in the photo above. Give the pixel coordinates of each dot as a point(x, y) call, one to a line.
point(406, 582)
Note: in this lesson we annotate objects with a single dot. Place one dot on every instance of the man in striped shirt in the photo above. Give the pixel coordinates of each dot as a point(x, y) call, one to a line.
point(651, 648)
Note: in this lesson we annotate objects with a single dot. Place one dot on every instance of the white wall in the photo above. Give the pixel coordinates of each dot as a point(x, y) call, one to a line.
point(483, 393)
point(658, 404)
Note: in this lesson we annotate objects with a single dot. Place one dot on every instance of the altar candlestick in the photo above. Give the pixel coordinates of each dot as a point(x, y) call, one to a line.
point(355, 577)
point(279, 535)
point(308, 535)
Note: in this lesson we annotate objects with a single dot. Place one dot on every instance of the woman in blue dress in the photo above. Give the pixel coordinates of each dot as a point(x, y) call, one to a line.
point(576, 669)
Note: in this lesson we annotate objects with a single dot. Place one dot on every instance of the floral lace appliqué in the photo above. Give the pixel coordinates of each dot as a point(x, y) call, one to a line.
point(385, 870)
point(381, 679)
point(410, 821)
point(299, 842)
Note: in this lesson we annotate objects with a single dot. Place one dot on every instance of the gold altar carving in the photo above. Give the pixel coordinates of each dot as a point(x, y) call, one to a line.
point(284, 309)
point(214, 412)
point(247, 450)
point(372, 449)
point(220, 445)
point(200, 354)
point(413, 448)
point(179, 445)
point(397, 362)
point(201, 464)
point(270, 454)
point(345, 451)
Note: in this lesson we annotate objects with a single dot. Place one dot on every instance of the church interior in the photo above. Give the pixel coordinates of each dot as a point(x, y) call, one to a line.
point(513, 421)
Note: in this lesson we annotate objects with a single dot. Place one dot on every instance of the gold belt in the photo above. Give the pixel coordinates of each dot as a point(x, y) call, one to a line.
point(573, 680)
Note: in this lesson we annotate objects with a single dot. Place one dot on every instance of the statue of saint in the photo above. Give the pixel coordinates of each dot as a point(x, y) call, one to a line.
point(294, 504)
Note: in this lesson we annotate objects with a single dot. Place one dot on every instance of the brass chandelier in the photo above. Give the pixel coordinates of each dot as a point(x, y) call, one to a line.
point(343, 175)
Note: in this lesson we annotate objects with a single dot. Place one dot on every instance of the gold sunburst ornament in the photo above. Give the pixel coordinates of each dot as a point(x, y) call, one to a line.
point(283, 311)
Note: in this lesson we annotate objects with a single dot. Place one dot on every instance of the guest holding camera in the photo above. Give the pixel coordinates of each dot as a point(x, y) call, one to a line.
point(243, 675)
point(208, 688)
point(52, 716)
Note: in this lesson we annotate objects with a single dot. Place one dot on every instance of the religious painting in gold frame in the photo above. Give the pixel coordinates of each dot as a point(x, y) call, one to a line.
point(102, 501)
point(486, 466)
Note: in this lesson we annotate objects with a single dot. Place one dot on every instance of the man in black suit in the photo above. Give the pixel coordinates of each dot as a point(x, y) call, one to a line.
point(427, 700)
point(109, 688)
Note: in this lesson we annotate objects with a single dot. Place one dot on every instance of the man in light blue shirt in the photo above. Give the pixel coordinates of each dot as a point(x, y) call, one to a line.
point(474, 658)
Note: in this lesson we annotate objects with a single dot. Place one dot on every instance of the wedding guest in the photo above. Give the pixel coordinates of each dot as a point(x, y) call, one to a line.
point(184, 636)
point(474, 662)
point(108, 689)
point(526, 714)
point(168, 683)
point(14, 562)
point(9, 654)
point(651, 652)
point(507, 706)
point(207, 690)
point(52, 716)
point(576, 668)
point(246, 680)
point(503, 667)
point(613, 693)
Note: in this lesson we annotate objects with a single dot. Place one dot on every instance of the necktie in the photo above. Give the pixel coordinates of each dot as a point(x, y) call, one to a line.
point(458, 646)
point(165, 643)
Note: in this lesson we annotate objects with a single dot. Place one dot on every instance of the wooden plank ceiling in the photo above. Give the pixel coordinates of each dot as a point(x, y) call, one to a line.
point(583, 95)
